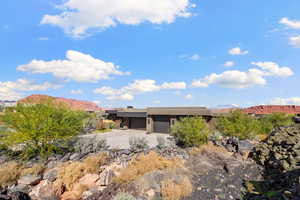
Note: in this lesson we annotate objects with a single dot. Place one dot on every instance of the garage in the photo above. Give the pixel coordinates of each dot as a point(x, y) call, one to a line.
point(137, 123)
point(161, 124)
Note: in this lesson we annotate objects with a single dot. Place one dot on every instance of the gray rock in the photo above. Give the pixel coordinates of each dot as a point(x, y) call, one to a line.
point(50, 175)
point(29, 180)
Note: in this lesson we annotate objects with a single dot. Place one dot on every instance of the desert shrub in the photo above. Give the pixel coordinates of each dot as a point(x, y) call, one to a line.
point(174, 191)
point(161, 142)
point(143, 164)
point(124, 196)
point(70, 173)
point(209, 149)
point(190, 131)
point(138, 143)
point(37, 127)
point(273, 121)
point(36, 169)
point(238, 124)
point(9, 173)
point(90, 145)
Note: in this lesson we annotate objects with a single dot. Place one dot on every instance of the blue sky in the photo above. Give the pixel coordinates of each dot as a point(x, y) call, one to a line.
point(152, 52)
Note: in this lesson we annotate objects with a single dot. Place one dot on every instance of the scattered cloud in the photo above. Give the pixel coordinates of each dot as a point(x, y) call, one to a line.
point(286, 101)
point(229, 64)
point(43, 38)
point(78, 17)
point(273, 69)
point(290, 23)
point(189, 96)
point(193, 57)
point(244, 79)
point(76, 92)
point(77, 66)
point(137, 87)
point(237, 51)
point(13, 90)
point(295, 41)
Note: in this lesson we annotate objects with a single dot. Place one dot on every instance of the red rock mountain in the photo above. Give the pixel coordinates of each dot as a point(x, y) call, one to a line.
point(72, 103)
point(268, 109)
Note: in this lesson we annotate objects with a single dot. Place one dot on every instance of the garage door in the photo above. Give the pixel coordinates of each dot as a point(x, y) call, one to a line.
point(161, 125)
point(137, 123)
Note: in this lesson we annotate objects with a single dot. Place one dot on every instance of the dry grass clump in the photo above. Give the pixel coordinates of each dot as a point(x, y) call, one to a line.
point(208, 149)
point(143, 164)
point(71, 172)
point(9, 173)
point(173, 191)
point(36, 169)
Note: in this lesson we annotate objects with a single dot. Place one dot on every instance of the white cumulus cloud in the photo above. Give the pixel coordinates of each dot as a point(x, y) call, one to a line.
point(229, 64)
point(286, 101)
point(13, 90)
point(77, 66)
point(237, 51)
point(273, 69)
point(193, 57)
point(78, 17)
point(244, 79)
point(294, 24)
point(295, 41)
point(137, 87)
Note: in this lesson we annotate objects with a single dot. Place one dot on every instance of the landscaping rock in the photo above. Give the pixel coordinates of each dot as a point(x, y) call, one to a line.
point(29, 180)
point(51, 175)
point(44, 191)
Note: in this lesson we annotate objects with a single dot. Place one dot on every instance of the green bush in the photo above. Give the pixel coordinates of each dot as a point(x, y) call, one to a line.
point(190, 131)
point(39, 127)
point(238, 124)
point(275, 120)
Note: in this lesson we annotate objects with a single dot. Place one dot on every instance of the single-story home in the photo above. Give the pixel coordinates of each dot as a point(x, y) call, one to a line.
point(156, 119)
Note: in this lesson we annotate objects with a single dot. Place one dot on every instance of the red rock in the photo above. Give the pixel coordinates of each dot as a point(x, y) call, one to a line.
point(72, 103)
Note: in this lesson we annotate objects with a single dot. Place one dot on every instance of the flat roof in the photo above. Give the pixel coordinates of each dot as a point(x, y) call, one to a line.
point(178, 111)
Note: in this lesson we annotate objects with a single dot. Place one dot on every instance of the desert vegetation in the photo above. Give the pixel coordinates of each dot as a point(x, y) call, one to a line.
point(143, 164)
point(191, 131)
point(38, 128)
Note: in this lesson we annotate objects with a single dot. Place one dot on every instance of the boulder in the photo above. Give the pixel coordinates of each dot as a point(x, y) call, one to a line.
point(51, 175)
point(44, 191)
point(29, 179)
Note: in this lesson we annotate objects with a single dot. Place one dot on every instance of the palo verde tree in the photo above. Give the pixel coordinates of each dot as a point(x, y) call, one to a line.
point(39, 127)
point(239, 124)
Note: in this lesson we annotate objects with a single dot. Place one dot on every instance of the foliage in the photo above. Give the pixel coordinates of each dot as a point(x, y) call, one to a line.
point(138, 143)
point(124, 196)
point(274, 121)
point(174, 191)
point(90, 145)
point(37, 127)
point(11, 171)
point(161, 142)
point(190, 131)
point(239, 124)
point(70, 173)
point(143, 164)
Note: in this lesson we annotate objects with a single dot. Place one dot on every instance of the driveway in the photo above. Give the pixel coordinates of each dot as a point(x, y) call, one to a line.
point(119, 139)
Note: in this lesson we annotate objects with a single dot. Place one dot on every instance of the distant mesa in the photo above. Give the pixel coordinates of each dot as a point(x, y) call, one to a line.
point(269, 109)
point(72, 103)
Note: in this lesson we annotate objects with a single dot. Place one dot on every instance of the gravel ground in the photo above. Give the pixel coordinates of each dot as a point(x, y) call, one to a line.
point(119, 139)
